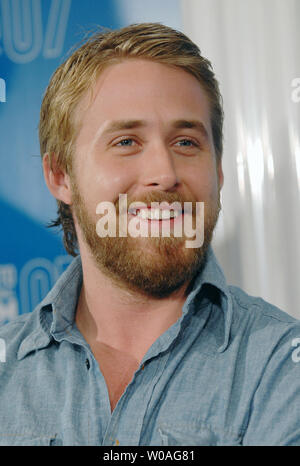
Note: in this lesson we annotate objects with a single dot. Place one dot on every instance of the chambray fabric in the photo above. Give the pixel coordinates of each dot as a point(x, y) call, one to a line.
point(223, 374)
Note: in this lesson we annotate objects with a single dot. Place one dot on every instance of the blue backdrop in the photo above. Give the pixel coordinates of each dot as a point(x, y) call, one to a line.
point(35, 36)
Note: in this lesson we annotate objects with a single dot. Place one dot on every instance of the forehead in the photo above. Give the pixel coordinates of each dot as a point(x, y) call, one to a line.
point(136, 89)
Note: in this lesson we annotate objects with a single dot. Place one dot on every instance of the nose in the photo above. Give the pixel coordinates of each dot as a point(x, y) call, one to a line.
point(158, 168)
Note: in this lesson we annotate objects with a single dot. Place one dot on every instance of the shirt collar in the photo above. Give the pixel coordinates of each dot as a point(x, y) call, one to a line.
point(52, 317)
point(56, 313)
point(212, 274)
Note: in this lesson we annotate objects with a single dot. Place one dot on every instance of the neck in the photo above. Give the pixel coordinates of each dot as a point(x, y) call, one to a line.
point(127, 321)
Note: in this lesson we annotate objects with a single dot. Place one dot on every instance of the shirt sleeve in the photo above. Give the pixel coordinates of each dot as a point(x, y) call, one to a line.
point(275, 411)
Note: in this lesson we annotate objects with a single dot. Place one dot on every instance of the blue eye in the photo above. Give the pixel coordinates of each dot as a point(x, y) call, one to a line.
point(125, 142)
point(186, 143)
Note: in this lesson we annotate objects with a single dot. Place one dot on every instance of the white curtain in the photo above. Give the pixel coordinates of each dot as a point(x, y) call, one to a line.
point(254, 47)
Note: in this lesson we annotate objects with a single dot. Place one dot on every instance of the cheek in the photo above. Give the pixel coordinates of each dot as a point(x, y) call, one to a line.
point(203, 183)
point(105, 181)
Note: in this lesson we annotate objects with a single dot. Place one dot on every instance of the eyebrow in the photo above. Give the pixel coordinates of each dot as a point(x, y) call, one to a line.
point(119, 125)
point(193, 124)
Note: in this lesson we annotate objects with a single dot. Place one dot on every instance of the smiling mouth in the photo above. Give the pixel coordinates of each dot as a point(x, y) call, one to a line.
point(155, 214)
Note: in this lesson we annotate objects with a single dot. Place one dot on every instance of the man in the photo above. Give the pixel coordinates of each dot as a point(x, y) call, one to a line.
point(141, 341)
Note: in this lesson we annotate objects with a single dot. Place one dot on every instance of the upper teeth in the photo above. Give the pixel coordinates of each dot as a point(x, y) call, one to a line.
point(157, 214)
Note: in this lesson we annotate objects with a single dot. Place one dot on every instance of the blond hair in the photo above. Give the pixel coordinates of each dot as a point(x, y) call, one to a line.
point(72, 79)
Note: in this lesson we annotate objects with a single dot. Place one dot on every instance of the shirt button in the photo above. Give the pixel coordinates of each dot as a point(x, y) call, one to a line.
point(143, 367)
point(87, 363)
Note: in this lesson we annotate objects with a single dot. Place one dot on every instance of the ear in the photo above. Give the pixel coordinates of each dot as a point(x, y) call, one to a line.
point(220, 174)
point(57, 180)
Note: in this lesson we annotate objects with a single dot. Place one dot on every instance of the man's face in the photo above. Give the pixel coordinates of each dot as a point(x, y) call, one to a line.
point(134, 139)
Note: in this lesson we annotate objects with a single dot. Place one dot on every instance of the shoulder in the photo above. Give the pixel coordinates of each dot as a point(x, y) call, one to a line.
point(266, 341)
point(246, 305)
point(13, 330)
point(260, 322)
point(15, 333)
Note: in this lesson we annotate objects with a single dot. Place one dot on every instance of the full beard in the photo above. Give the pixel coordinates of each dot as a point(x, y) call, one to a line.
point(153, 266)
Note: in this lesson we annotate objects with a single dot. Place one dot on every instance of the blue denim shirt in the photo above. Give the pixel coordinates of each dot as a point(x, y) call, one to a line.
point(226, 373)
